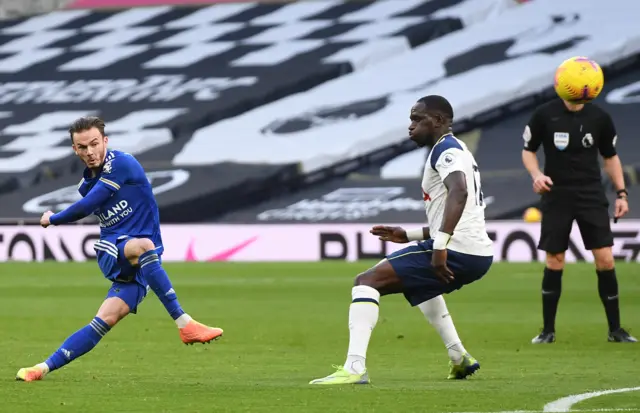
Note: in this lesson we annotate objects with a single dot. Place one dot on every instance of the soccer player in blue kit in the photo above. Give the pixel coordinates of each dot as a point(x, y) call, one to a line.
point(115, 188)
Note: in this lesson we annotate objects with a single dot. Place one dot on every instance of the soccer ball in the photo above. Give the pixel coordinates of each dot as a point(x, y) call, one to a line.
point(579, 80)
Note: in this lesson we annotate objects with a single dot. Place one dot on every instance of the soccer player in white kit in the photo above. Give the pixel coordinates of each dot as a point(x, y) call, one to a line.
point(454, 250)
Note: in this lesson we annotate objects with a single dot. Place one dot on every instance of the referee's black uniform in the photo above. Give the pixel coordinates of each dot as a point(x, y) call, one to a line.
point(572, 141)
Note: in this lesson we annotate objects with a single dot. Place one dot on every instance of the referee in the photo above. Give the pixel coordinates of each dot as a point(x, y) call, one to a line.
point(572, 135)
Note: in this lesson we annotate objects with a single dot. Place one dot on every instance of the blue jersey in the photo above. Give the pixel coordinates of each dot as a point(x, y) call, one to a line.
point(131, 211)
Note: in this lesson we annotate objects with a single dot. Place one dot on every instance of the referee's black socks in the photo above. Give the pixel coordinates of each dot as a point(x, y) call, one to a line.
point(608, 290)
point(551, 289)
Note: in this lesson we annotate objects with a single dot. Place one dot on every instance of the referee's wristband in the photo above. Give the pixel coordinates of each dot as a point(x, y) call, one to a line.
point(622, 193)
point(441, 240)
point(415, 234)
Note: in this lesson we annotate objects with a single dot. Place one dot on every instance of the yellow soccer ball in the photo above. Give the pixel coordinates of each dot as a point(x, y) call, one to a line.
point(579, 80)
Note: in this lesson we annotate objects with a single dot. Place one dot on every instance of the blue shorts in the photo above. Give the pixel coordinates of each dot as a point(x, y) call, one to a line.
point(413, 266)
point(131, 293)
point(128, 284)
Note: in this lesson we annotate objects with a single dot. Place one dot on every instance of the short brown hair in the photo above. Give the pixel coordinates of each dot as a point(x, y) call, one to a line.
point(86, 123)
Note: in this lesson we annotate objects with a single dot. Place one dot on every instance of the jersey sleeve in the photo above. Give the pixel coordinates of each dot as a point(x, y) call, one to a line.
point(116, 172)
point(608, 138)
point(450, 160)
point(533, 132)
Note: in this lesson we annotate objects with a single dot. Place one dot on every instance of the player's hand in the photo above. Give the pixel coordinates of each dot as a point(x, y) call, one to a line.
point(393, 234)
point(439, 264)
point(622, 207)
point(541, 184)
point(44, 220)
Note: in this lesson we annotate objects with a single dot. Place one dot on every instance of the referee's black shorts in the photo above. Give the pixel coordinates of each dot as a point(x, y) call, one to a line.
point(588, 207)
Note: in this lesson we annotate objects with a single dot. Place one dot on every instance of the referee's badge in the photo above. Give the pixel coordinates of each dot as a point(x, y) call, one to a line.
point(561, 140)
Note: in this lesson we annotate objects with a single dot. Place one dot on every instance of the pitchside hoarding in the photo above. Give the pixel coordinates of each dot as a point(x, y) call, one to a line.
point(513, 241)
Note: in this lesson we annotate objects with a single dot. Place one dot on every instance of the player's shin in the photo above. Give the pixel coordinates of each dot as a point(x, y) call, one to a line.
point(159, 282)
point(551, 291)
point(363, 316)
point(608, 291)
point(79, 343)
point(436, 312)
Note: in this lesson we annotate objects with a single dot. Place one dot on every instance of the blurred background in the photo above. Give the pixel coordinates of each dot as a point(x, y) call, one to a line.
point(281, 125)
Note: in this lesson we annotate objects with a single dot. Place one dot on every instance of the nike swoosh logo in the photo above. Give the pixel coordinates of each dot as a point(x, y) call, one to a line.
point(224, 255)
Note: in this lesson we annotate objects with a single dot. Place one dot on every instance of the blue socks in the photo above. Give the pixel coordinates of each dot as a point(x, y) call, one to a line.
point(79, 343)
point(159, 282)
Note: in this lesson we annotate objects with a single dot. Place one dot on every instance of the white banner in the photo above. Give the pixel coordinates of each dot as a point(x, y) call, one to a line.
point(514, 242)
point(478, 68)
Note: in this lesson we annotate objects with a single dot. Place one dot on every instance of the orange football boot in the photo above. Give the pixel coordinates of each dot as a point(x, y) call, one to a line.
point(196, 332)
point(30, 374)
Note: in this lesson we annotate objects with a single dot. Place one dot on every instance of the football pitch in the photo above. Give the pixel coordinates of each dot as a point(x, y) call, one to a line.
point(286, 324)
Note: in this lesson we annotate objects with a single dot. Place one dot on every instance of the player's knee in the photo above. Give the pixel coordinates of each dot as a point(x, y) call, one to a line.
point(145, 245)
point(603, 258)
point(378, 279)
point(365, 278)
point(555, 261)
point(138, 246)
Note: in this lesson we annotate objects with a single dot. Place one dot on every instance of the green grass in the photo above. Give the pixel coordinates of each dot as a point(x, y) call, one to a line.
point(285, 324)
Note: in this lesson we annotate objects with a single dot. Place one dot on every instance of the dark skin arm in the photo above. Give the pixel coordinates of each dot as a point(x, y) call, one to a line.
point(395, 234)
point(457, 193)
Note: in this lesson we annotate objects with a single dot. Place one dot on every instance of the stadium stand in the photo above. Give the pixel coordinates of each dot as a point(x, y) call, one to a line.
point(267, 114)
point(15, 8)
point(389, 192)
point(157, 74)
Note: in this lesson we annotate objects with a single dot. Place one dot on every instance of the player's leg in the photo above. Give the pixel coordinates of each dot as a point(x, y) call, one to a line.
point(595, 228)
point(112, 310)
point(557, 220)
point(141, 253)
point(363, 317)
point(429, 295)
point(437, 314)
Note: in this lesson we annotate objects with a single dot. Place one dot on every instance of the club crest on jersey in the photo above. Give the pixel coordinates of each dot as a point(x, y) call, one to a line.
point(561, 140)
point(107, 168)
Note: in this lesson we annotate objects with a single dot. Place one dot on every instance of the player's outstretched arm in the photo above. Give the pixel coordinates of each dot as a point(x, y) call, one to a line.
point(399, 235)
point(84, 207)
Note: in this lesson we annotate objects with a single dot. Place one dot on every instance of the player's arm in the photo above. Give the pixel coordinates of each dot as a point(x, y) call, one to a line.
point(457, 193)
point(450, 167)
point(113, 176)
point(607, 147)
point(84, 207)
point(399, 235)
point(532, 137)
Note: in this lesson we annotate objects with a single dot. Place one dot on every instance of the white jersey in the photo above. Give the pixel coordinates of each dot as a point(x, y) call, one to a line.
point(470, 235)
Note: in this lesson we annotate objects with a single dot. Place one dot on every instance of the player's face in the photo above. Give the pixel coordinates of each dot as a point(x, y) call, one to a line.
point(423, 126)
point(90, 146)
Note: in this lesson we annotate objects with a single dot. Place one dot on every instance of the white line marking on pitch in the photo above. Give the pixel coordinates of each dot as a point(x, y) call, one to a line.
point(570, 411)
point(564, 404)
